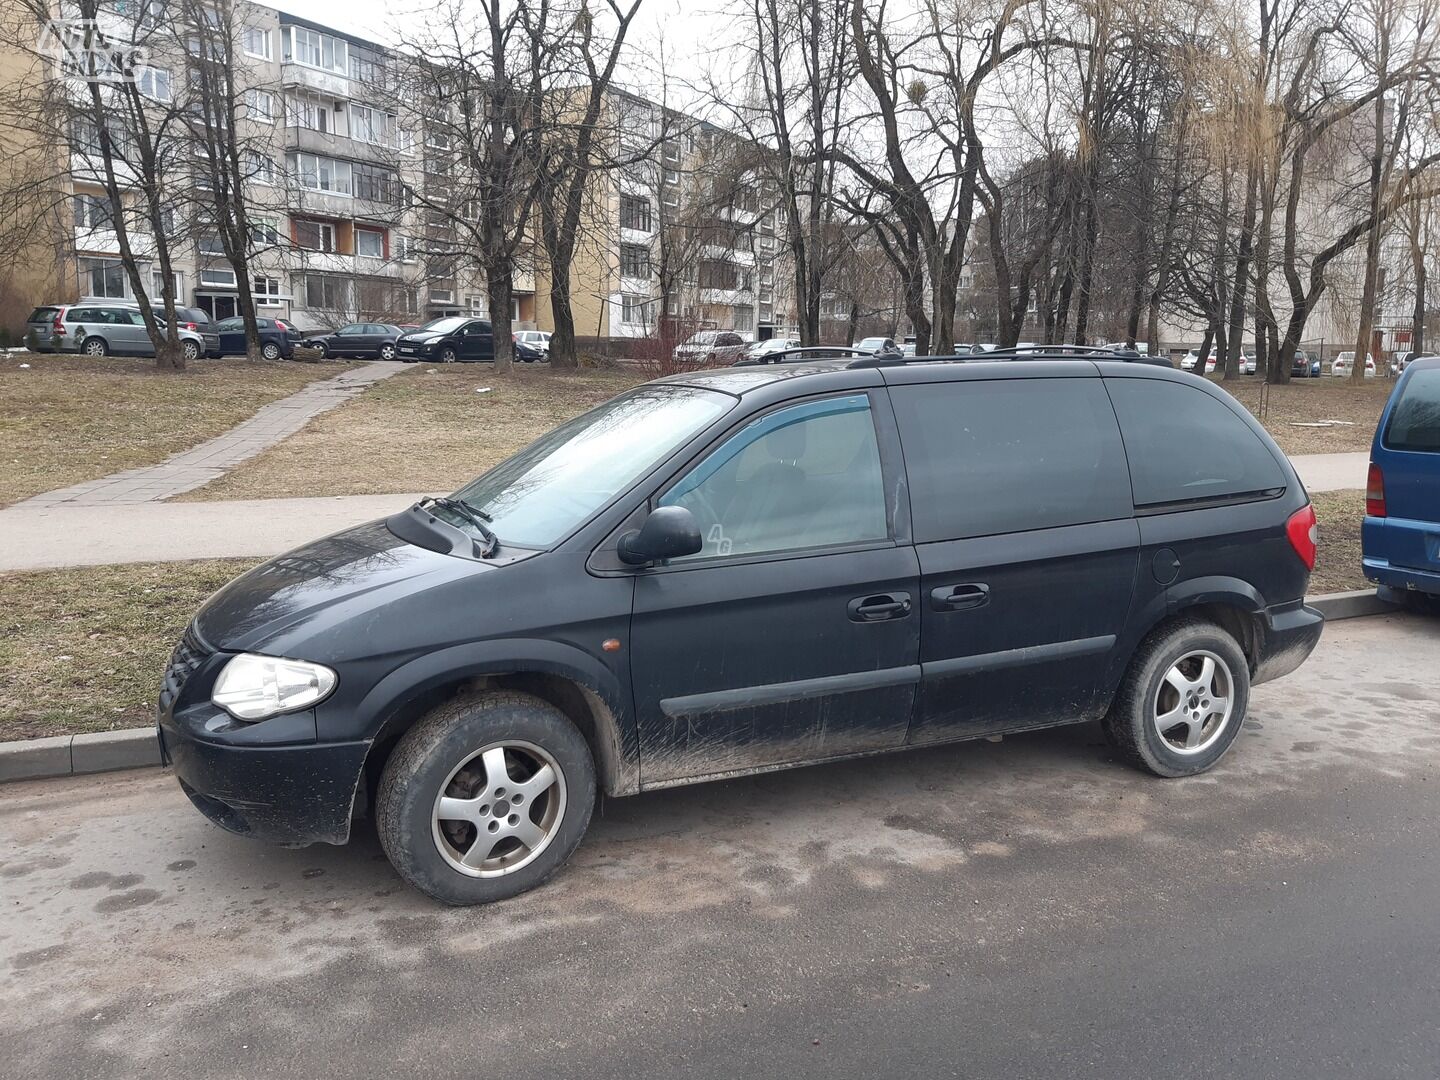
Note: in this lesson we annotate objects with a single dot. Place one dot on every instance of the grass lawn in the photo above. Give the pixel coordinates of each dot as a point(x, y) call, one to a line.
point(84, 649)
point(71, 418)
point(427, 429)
point(1337, 568)
point(1282, 408)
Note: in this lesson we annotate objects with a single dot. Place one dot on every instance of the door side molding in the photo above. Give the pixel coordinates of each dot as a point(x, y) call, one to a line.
point(747, 697)
point(1030, 654)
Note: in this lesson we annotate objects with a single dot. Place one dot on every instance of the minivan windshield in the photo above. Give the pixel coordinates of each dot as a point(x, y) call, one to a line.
point(445, 325)
point(557, 482)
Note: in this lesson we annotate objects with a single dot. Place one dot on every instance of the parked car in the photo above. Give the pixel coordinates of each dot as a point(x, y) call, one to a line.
point(277, 338)
point(880, 346)
point(1345, 363)
point(711, 347)
point(1399, 361)
point(361, 340)
point(756, 351)
point(1188, 361)
point(539, 339)
point(1246, 363)
point(1399, 547)
point(1304, 366)
point(451, 339)
point(734, 571)
point(106, 328)
point(527, 352)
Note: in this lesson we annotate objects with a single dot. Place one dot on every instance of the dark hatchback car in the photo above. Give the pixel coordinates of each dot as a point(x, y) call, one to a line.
point(450, 340)
point(277, 338)
point(359, 340)
point(1304, 366)
point(740, 570)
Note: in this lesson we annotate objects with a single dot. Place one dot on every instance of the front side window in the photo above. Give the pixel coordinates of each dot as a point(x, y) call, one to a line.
point(1186, 446)
point(559, 481)
point(1415, 423)
point(986, 458)
point(803, 477)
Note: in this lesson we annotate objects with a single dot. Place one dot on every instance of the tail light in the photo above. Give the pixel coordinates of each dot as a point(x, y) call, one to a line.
point(1304, 534)
point(282, 327)
point(58, 326)
point(1375, 492)
point(191, 326)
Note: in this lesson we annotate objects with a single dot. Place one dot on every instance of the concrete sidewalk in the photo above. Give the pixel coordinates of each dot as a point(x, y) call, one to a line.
point(35, 537)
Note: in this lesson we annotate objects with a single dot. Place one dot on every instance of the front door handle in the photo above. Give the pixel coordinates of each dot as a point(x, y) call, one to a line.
point(879, 607)
point(960, 597)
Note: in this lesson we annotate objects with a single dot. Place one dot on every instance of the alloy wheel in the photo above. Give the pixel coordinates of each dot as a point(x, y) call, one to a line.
point(387, 352)
point(1194, 702)
point(499, 809)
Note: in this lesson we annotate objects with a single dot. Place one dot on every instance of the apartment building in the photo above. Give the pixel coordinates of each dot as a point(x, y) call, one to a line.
point(339, 168)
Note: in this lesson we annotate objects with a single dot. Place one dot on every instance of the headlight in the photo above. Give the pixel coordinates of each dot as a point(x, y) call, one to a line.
point(256, 687)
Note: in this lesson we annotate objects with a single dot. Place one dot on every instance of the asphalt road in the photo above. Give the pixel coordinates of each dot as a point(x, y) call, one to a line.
point(1027, 908)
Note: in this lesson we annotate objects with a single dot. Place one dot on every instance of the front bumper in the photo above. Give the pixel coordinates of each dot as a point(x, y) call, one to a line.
point(288, 793)
point(1289, 635)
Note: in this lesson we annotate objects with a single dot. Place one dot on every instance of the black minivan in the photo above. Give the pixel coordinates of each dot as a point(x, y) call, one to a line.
point(738, 570)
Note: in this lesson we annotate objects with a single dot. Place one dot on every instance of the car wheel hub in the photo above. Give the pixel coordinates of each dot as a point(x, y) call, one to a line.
point(1193, 703)
point(499, 809)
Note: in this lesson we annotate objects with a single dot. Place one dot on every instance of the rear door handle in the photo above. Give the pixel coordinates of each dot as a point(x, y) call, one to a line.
point(879, 607)
point(960, 597)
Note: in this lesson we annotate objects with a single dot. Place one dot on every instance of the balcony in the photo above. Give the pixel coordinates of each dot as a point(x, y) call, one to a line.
point(330, 144)
point(324, 262)
point(105, 242)
point(335, 202)
point(327, 82)
point(522, 279)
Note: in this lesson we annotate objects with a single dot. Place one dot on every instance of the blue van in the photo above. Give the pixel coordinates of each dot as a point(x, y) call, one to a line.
point(1400, 540)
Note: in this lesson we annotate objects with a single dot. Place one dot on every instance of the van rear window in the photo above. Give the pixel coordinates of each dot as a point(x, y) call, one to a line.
point(985, 458)
point(1415, 421)
point(1186, 446)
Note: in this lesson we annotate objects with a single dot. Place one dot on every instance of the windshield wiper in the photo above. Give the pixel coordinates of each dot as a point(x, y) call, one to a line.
point(475, 517)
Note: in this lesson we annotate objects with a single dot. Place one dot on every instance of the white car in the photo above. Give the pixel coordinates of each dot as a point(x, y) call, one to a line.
point(1187, 362)
point(1247, 363)
point(1345, 364)
point(539, 338)
point(880, 346)
point(758, 350)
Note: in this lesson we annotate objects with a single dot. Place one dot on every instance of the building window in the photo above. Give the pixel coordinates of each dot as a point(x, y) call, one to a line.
point(93, 212)
point(320, 173)
point(369, 244)
point(367, 68)
point(102, 277)
point(442, 296)
point(372, 125)
point(315, 235)
point(634, 310)
point(477, 305)
point(155, 83)
point(256, 42)
point(264, 232)
point(634, 261)
point(325, 291)
point(670, 176)
point(261, 168)
point(408, 249)
point(260, 105)
point(375, 183)
point(717, 274)
point(157, 285)
point(218, 279)
point(317, 50)
point(303, 111)
point(635, 213)
point(265, 290)
point(744, 318)
point(209, 243)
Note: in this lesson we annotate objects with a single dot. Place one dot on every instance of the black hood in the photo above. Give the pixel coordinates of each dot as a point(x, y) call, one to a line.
point(421, 337)
point(293, 604)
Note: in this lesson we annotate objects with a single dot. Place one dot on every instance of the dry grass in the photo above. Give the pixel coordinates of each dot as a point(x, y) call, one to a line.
point(424, 430)
point(1338, 567)
point(1279, 408)
point(84, 649)
point(73, 418)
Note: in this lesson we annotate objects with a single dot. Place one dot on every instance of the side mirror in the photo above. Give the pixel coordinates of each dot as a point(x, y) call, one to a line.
point(668, 533)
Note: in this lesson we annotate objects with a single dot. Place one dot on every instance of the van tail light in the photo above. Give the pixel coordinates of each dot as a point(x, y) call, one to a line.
point(1375, 492)
point(1304, 534)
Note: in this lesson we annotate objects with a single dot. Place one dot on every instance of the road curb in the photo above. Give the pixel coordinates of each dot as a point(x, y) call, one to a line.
point(137, 748)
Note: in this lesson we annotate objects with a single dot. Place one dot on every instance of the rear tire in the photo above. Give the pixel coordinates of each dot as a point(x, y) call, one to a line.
point(95, 347)
point(190, 350)
point(387, 351)
point(1182, 701)
point(270, 351)
point(322, 349)
point(447, 810)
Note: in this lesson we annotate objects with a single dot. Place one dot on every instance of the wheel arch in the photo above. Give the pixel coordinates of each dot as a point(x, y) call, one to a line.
point(1230, 603)
point(573, 682)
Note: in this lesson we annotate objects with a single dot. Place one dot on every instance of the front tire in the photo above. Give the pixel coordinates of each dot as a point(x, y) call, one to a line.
point(448, 356)
point(1183, 700)
point(485, 798)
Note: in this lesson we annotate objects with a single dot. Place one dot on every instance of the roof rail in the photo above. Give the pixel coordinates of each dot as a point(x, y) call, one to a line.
point(803, 352)
point(1029, 352)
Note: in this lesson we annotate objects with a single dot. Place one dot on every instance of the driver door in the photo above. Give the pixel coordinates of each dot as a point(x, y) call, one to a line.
point(794, 634)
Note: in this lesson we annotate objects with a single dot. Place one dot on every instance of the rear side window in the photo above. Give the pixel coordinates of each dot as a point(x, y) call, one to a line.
point(1009, 456)
point(1415, 421)
point(1186, 446)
